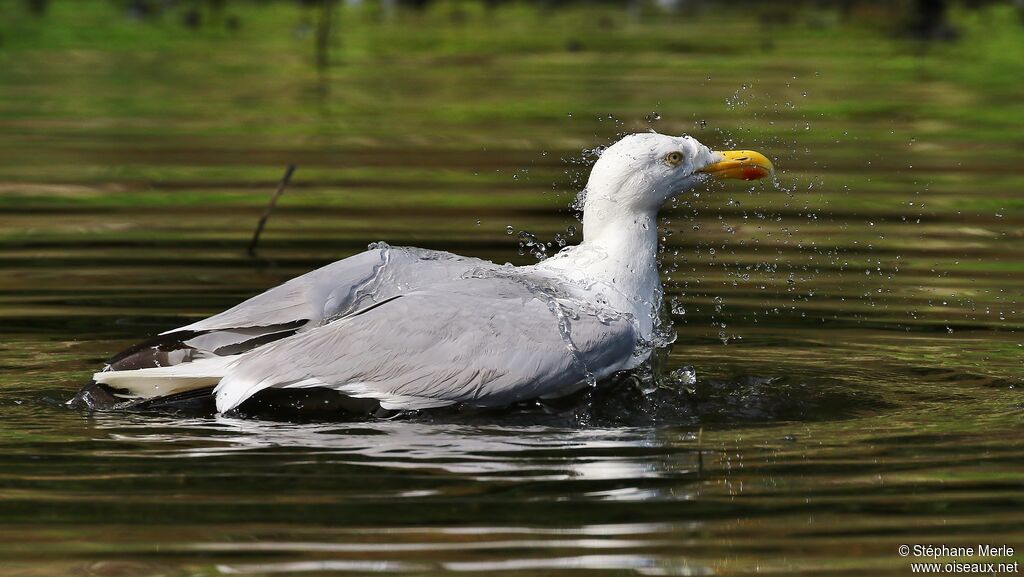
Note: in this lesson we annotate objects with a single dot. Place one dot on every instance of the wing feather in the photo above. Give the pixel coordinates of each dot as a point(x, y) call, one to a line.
point(332, 291)
point(481, 341)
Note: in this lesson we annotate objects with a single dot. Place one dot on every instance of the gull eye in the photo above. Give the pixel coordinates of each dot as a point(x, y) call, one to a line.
point(673, 158)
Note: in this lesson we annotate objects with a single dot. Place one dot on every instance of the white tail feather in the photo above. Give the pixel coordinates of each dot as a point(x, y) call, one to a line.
point(163, 381)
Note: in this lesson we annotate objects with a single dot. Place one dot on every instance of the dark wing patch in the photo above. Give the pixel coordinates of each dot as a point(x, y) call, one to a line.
point(174, 348)
point(160, 351)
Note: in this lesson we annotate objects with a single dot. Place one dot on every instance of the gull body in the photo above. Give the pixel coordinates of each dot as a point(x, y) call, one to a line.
point(407, 328)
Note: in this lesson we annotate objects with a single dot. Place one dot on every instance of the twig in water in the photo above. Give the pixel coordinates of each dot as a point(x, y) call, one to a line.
point(700, 452)
point(270, 207)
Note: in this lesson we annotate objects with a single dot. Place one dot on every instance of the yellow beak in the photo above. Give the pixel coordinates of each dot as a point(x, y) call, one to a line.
point(741, 164)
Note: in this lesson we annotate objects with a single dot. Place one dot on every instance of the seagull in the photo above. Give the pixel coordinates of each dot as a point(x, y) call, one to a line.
point(405, 329)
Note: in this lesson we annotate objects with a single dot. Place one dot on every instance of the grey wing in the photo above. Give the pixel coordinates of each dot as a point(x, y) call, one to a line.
point(339, 288)
point(307, 301)
point(483, 341)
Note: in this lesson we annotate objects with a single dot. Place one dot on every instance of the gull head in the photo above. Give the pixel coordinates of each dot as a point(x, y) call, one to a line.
point(642, 171)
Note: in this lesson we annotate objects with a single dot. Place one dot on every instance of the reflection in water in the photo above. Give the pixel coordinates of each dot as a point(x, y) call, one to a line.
point(484, 453)
point(638, 565)
point(421, 467)
point(322, 566)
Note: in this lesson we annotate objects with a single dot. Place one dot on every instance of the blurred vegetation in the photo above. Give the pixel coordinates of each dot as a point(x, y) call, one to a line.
point(957, 63)
point(321, 20)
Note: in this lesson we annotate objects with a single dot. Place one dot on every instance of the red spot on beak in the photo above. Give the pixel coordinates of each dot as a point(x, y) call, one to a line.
point(754, 173)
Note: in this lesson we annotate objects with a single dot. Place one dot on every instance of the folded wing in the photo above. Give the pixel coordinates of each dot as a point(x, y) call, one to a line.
point(306, 302)
point(480, 341)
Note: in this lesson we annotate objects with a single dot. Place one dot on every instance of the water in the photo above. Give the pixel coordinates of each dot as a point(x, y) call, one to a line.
point(849, 357)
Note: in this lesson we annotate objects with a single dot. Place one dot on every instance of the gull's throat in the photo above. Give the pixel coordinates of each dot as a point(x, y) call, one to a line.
point(618, 259)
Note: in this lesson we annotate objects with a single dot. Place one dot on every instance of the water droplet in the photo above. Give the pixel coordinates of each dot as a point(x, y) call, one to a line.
point(677, 307)
point(685, 375)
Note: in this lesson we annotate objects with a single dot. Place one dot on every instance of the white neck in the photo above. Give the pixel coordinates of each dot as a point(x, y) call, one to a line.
point(630, 241)
point(619, 249)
